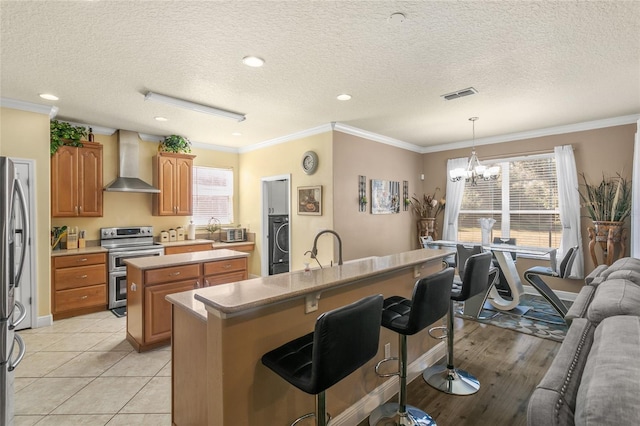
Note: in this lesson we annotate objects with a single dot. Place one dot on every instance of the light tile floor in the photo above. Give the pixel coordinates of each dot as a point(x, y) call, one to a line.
point(82, 371)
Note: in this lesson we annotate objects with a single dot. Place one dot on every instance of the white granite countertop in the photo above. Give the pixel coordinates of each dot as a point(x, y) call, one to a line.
point(85, 250)
point(240, 296)
point(169, 260)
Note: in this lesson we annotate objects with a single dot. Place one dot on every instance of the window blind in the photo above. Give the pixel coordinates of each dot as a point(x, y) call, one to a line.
point(212, 195)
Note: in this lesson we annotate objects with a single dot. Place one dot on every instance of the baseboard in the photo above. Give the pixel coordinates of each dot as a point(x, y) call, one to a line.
point(563, 295)
point(361, 409)
point(44, 321)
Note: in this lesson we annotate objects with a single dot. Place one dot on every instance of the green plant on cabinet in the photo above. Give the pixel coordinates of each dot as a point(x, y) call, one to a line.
point(176, 144)
point(63, 133)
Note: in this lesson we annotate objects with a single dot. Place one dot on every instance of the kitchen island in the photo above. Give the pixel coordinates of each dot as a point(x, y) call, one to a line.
point(151, 279)
point(220, 333)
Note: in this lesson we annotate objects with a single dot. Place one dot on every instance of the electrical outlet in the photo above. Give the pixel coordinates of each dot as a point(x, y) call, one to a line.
point(387, 350)
point(416, 271)
point(311, 302)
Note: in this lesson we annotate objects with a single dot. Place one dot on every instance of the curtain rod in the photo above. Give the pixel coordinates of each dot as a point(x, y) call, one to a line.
point(518, 155)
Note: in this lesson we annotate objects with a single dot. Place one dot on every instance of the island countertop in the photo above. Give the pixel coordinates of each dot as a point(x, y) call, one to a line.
point(233, 298)
point(152, 262)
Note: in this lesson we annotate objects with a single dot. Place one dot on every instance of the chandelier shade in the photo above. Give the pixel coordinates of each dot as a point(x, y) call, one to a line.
point(474, 171)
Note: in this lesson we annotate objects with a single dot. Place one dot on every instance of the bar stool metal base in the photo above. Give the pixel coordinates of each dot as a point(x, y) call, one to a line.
point(451, 380)
point(387, 415)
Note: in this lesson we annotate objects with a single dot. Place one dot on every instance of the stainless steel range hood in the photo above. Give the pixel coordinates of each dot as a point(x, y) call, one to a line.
point(127, 180)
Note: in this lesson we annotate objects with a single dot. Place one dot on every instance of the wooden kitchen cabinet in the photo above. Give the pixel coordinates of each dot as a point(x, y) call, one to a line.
point(78, 284)
point(148, 311)
point(76, 181)
point(173, 175)
point(224, 271)
point(188, 248)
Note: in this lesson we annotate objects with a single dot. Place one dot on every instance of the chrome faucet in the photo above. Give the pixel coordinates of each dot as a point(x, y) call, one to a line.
point(314, 250)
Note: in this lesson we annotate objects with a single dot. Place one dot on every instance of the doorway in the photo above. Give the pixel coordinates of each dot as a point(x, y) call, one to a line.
point(276, 235)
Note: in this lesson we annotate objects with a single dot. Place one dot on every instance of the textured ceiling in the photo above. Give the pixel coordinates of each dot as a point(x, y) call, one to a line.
point(535, 65)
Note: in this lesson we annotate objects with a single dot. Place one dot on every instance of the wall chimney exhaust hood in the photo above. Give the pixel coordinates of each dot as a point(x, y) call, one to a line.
point(127, 180)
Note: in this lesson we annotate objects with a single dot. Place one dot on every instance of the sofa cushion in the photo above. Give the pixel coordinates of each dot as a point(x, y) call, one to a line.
point(626, 263)
point(626, 274)
point(554, 400)
point(610, 384)
point(595, 274)
point(614, 297)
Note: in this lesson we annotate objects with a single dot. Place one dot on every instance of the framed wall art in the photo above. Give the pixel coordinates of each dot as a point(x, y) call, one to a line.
point(310, 200)
point(385, 196)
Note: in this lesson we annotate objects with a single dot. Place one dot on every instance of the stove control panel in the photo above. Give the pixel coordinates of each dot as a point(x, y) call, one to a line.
point(129, 232)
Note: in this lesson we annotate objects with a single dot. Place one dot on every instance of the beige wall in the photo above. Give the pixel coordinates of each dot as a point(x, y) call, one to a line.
point(26, 135)
point(365, 234)
point(284, 159)
point(599, 151)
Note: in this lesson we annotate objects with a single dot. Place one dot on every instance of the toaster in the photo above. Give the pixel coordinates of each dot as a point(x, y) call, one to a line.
point(230, 235)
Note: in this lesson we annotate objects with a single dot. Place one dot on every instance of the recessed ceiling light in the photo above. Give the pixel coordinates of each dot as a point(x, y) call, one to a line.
point(253, 61)
point(344, 97)
point(236, 134)
point(49, 96)
point(161, 118)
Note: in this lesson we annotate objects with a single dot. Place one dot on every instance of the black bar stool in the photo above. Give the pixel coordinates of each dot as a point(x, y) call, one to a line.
point(476, 279)
point(343, 341)
point(428, 303)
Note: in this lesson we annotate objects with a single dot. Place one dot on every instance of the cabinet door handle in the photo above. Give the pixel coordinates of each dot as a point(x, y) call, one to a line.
point(197, 284)
point(82, 277)
point(80, 209)
point(206, 282)
point(174, 274)
point(76, 209)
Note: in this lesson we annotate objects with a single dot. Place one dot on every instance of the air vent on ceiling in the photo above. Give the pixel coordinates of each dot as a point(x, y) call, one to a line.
point(460, 93)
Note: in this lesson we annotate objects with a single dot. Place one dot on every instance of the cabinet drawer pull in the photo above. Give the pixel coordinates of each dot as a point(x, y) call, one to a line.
point(174, 274)
point(82, 277)
point(84, 259)
point(83, 297)
point(227, 266)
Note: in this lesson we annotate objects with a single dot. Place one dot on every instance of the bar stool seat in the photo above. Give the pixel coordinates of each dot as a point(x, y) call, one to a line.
point(447, 378)
point(429, 302)
point(344, 340)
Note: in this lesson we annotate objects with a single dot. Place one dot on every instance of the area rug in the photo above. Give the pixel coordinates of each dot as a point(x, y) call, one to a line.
point(541, 320)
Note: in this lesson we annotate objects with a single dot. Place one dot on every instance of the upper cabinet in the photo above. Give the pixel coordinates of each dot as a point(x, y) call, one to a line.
point(76, 181)
point(278, 197)
point(173, 175)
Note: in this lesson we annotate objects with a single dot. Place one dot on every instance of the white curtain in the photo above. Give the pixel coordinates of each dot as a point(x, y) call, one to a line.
point(455, 191)
point(635, 198)
point(569, 205)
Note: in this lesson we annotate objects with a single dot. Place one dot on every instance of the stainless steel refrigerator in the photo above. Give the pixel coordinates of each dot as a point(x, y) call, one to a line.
point(13, 211)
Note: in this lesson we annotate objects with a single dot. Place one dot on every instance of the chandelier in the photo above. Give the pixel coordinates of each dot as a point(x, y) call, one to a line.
point(474, 171)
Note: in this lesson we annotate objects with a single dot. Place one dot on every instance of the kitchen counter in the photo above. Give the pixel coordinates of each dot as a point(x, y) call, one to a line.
point(220, 333)
point(85, 250)
point(144, 263)
point(237, 297)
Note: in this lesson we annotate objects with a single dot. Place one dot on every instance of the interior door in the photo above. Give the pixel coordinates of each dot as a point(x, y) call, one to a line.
point(25, 290)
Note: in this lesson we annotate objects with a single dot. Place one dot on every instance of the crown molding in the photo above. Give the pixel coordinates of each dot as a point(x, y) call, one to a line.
point(343, 128)
point(299, 135)
point(550, 131)
point(50, 110)
point(157, 139)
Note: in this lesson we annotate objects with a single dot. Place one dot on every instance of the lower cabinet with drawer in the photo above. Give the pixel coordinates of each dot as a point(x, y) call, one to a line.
point(148, 311)
point(79, 284)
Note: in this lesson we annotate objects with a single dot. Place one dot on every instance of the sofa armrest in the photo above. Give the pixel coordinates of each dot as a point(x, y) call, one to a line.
point(553, 401)
point(579, 307)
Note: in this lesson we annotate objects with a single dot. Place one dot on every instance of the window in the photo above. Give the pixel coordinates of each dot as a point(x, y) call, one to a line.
point(212, 195)
point(523, 201)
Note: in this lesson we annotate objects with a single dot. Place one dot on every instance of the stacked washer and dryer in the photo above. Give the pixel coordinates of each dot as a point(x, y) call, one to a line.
point(278, 244)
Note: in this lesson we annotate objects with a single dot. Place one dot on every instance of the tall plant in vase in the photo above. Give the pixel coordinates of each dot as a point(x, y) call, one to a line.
point(427, 208)
point(608, 204)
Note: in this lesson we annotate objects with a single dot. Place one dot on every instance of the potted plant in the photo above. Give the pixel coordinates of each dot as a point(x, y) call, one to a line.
point(608, 204)
point(427, 209)
point(176, 144)
point(63, 133)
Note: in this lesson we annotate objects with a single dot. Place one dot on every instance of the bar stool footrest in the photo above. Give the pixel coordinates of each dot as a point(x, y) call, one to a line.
point(412, 417)
point(392, 358)
point(441, 328)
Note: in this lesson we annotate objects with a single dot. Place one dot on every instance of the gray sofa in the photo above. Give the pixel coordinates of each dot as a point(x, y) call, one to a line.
point(595, 377)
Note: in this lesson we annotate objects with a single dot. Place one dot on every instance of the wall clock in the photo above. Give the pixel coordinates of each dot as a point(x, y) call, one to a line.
point(309, 162)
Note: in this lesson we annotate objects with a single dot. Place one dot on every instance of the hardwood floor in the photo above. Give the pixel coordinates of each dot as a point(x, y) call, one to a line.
point(508, 364)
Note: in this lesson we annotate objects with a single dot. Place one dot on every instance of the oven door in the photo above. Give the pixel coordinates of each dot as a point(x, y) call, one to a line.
point(117, 289)
point(116, 258)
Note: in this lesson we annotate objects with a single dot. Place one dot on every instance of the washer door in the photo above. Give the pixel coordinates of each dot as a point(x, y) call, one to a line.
point(282, 241)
